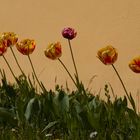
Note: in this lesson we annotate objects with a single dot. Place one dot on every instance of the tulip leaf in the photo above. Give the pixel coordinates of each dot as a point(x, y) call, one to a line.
point(29, 108)
point(6, 115)
point(132, 102)
point(51, 124)
point(62, 101)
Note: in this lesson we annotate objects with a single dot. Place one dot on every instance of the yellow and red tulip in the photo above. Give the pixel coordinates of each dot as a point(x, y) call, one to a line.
point(26, 46)
point(53, 51)
point(3, 46)
point(10, 37)
point(107, 55)
point(134, 64)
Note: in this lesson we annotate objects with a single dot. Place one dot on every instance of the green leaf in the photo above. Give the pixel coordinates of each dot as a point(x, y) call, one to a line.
point(51, 124)
point(124, 102)
point(29, 108)
point(6, 115)
point(132, 102)
point(93, 104)
point(62, 101)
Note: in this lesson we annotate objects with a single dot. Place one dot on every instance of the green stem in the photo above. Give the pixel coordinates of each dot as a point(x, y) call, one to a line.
point(17, 61)
point(138, 102)
point(73, 61)
point(67, 71)
point(121, 82)
point(34, 71)
point(9, 67)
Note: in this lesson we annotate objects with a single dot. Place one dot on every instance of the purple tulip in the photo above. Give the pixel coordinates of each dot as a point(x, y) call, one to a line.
point(69, 33)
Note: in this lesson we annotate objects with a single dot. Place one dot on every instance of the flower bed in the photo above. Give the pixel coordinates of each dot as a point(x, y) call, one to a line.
point(30, 111)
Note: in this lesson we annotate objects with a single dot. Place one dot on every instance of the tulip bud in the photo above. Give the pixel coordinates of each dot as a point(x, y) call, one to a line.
point(53, 51)
point(107, 55)
point(69, 33)
point(26, 46)
point(134, 65)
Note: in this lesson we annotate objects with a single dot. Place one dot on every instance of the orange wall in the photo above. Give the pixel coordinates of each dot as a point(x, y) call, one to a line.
point(98, 23)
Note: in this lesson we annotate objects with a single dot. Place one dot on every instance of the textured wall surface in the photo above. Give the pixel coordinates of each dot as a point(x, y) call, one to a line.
point(98, 23)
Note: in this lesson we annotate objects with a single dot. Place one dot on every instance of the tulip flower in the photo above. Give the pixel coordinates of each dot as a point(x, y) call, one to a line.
point(69, 33)
point(26, 46)
point(3, 49)
point(134, 64)
point(10, 37)
point(3, 46)
point(107, 55)
point(53, 51)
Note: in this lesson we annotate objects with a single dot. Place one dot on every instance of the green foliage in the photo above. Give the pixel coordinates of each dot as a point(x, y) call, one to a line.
point(27, 114)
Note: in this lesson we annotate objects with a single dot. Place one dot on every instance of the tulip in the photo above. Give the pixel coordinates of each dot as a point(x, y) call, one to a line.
point(53, 51)
point(3, 49)
point(26, 46)
point(134, 64)
point(107, 55)
point(69, 33)
point(10, 37)
point(3, 46)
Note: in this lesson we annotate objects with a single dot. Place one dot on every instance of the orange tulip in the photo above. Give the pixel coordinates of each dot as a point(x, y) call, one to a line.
point(107, 55)
point(26, 46)
point(134, 64)
point(10, 37)
point(53, 51)
point(3, 46)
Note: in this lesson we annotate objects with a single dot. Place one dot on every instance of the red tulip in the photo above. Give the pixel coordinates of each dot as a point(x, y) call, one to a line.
point(107, 55)
point(3, 46)
point(53, 51)
point(10, 37)
point(134, 64)
point(69, 33)
point(26, 46)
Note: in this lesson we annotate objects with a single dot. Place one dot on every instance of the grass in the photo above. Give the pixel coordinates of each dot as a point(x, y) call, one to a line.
point(26, 113)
